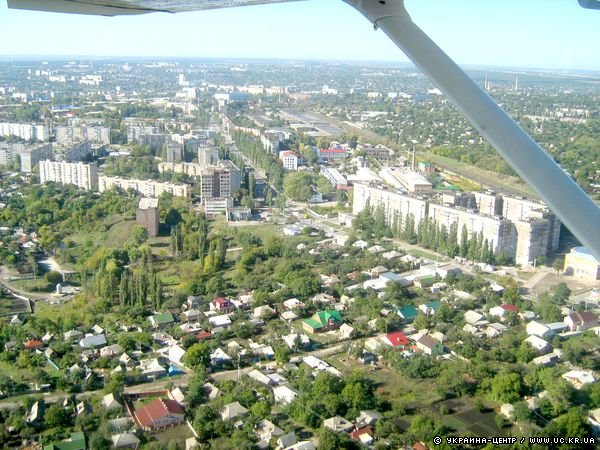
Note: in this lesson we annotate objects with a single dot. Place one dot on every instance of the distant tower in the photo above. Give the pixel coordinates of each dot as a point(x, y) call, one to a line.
point(517, 83)
point(486, 86)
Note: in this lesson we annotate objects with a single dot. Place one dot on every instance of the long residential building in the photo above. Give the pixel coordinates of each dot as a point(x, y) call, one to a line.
point(25, 131)
point(148, 188)
point(522, 229)
point(498, 231)
point(70, 134)
point(395, 203)
point(84, 176)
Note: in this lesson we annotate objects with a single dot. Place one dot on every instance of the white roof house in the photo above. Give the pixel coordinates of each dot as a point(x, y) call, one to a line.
point(338, 424)
point(579, 378)
point(109, 401)
point(284, 395)
point(220, 321)
point(539, 344)
point(538, 329)
point(232, 411)
point(260, 377)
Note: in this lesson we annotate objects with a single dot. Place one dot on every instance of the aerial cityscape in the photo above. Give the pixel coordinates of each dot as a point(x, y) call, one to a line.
point(240, 253)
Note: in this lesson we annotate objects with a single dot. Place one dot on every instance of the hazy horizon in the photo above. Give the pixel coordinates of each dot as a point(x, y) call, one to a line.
point(562, 36)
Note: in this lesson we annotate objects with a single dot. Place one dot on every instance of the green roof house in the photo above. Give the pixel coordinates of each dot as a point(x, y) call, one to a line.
point(161, 320)
point(323, 321)
point(408, 313)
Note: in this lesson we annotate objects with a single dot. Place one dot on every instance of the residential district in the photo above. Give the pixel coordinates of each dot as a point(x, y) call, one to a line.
point(236, 255)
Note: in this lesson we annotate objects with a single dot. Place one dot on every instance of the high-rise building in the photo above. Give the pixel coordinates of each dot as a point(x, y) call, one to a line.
point(222, 180)
point(499, 232)
point(71, 134)
point(73, 152)
point(208, 155)
point(147, 215)
point(524, 230)
point(174, 151)
point(148, 188)
point(31, 155)
point(25, 131)
point(395, 203)
point(9, 151)
point(84, 176)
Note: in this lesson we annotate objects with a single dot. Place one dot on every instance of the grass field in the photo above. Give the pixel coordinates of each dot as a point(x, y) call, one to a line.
point(425, 254)
point(30, 285)
point(176, 434)
point(465, 418)
point(485, 177)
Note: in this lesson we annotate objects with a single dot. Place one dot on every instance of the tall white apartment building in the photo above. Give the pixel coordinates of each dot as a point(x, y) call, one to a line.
point(25, 131)
point(496, 230)
point(148, 188)
point(70, 134)
point(395, 203)
point(84, 176)
point(514, 208)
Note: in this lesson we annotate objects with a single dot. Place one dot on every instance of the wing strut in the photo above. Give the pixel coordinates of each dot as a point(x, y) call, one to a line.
point(563, 196)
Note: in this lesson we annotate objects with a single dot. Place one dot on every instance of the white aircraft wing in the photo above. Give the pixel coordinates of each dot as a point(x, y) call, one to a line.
point(130, 7)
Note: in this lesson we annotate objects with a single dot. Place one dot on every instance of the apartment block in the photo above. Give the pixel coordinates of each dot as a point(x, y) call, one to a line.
point(489, 203)
point(9, 151)
point(84, 176)
point(393, 201)
point(174, 151)
point(496, 230)
point(208, 155)
point(147, 215)
point(25, 131)
point(221, 180)
point(71, 134)
point(31, 155)
point(148, 188)
point(73, 152)
point(289, 160)
point(515, 208)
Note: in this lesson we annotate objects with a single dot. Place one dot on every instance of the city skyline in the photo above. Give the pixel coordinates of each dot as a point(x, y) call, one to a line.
point(562, 37)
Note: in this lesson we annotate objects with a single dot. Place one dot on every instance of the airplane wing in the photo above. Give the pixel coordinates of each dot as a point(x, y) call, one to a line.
point(130, 7)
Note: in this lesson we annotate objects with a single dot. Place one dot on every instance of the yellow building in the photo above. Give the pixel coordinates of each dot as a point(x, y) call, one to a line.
point(582, 264)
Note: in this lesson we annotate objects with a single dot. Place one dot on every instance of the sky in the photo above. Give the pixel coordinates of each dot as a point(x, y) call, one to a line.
point(553, 34)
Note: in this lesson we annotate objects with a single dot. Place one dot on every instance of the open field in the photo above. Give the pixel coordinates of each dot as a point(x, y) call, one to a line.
point(464, 418)
point(176, 434)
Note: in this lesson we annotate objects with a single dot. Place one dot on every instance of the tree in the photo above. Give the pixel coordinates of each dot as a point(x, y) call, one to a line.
point(57, 417)
point(558, 265)
point(506, 388)
point(298, 186)
point(330, 440)
point(198, 355)
point(53, 277)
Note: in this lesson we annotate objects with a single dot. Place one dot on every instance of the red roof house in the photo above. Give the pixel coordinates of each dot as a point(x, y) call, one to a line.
point(508, 307)
point(397, 340)
point(32, 344)
point(202, 335)
point(160, 413)
point(221, 304)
